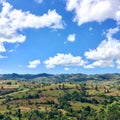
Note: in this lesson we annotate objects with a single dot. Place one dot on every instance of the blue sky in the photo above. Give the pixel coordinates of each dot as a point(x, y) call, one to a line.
point(59, 36)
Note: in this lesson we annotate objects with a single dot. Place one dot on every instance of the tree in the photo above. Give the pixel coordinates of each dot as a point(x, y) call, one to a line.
point(63, 87)
point(35, 115)
point(1, 116)
point(19, 113)
point(7, 118)
point(8, 98)
point(101, 115)
point(7, 106)
point(96, 88)
point(2, 87)
point(113, 111)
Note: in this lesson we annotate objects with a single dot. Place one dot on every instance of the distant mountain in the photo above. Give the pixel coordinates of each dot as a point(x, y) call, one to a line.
point(15, 76)
point(60, 77)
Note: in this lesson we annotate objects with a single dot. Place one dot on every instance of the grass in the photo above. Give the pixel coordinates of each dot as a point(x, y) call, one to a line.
point(51, 92)
point(79, 105)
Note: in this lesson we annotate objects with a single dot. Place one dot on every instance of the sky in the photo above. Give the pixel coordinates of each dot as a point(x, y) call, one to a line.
point(59, 36)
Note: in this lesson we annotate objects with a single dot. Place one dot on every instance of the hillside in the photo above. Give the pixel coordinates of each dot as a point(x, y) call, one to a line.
point(35, 100)
point(60, 77)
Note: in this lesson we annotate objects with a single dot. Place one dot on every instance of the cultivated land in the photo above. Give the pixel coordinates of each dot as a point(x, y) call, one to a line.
point(60, 99)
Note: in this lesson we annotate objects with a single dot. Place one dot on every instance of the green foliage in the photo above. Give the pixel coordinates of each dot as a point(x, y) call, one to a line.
point(113, 111)
point(35, 100)
point(60, 78)
point(5, 117)
point(35, 115)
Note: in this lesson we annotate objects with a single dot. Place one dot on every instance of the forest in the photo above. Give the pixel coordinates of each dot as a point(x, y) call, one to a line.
point(60, 97)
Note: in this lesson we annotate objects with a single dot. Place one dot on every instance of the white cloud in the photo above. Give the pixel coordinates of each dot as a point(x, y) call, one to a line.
point(94, 10)
point(90, 29)
point(66, 69)
point(106, 53)
point(13, 21)
point(1, 56)
point(33, 64)
point(90, 66)
point(2, 48)
point(108, 49)
point(39, 1)
point(64, 60)
point(118, 63)
point(111, 32)
point(71, 37)
point(101, 63)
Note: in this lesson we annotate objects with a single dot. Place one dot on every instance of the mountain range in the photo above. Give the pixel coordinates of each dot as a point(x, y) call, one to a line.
point(60, 77)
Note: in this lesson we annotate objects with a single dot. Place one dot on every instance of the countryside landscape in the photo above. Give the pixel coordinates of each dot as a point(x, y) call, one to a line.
point(59, 59)
point(60, 97)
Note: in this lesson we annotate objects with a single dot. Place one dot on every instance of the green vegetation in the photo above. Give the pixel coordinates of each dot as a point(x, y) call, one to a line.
point(60, 98)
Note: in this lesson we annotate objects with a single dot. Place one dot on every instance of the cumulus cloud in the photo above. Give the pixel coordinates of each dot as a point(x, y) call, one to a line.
point(64, 60)
point(13, 21)
point(71, 37)
point(33, 64)
point(108, 49)
point(111, 32)
point(107, 52)
point(101, 63)
point(90, 10)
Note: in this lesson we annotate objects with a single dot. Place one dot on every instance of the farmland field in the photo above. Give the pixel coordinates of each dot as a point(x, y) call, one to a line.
point(28, 100)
